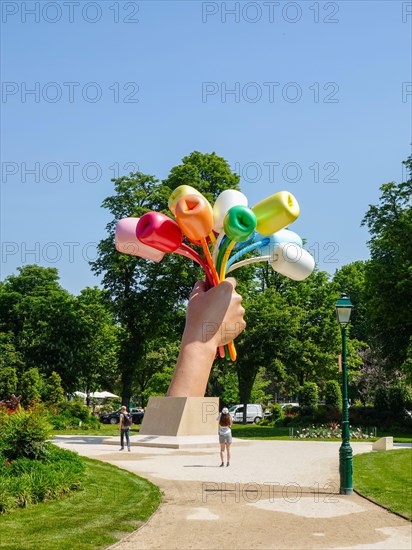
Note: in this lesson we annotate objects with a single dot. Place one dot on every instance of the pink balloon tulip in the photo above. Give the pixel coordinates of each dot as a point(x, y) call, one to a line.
point(128, 243)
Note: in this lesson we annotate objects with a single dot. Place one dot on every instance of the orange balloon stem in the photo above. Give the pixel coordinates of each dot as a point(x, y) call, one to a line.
point(210, 261)
point(232, 351)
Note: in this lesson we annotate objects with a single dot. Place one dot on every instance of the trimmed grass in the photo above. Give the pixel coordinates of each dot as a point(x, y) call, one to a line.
point(114, 502)
point(386, 478)
point(254, 431)
point(105, 429)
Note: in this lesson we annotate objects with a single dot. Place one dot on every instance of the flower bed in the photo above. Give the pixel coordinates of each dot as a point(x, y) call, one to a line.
point(331, 431)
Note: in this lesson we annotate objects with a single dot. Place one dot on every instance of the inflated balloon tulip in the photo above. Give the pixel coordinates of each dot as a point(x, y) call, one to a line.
point(194, 216)
point(157, 230)
point(276, 212)
point(224, 202)
point(180, 192)
point(282, 236)
point(127, 242)
point(239, 223)
point(294, 262)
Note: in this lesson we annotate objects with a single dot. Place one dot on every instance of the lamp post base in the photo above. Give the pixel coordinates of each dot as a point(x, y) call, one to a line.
point(345, 468)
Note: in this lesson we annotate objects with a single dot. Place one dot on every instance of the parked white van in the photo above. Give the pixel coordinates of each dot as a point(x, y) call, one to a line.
point(254, 413)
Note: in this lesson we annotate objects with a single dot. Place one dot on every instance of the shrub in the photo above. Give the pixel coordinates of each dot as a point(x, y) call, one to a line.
point(30, 386)
point(333, 395)
point(398, 398)
point(53, 391)
point(24, 481)
point(308, 398)
point(72, 414)
point(381, 401)
point(8, 382)
point(23, 434)
point(276, 414)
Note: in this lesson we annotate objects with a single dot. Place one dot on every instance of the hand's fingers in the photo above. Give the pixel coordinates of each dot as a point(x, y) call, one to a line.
point(232, 281)
point(199, 288)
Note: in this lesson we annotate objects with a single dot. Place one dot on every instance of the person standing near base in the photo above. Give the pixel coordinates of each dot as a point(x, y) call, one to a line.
point(125, 423)
point(225, 435)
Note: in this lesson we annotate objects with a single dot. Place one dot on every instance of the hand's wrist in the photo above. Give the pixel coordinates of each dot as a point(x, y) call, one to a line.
point(192, 369)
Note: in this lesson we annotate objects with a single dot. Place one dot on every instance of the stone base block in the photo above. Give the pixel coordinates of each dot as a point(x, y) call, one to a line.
point(180, 416)
point(383, 444)
point(178, 441)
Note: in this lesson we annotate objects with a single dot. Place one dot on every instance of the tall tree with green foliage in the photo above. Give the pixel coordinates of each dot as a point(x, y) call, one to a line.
point(98, 342)
point(40, 315)
point(388, 275)
point(350, 279)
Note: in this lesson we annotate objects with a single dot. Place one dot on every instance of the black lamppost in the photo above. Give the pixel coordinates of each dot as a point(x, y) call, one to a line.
point(343, 310)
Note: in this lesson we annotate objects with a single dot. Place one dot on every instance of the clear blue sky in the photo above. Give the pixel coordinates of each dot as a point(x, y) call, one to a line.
point(320, 106)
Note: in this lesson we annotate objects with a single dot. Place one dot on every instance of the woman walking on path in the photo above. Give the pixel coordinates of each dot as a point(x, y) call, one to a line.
point(225, 435)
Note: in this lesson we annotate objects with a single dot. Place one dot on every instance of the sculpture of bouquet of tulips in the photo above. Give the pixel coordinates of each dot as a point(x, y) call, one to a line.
point(226, 232)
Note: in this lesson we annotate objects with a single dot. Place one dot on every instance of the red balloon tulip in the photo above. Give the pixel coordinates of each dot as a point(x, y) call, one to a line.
point(157, 230)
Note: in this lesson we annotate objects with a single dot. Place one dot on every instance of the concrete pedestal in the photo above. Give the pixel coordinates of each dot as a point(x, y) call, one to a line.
point(178, 421)
point(383, 444)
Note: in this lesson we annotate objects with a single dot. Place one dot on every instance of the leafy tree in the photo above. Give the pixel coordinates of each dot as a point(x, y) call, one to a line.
point(41, 317)
point(9, 356)
point(333, 395)
point(98, 342)
point(316, 342)
point(259, 392)
point(268, 339)
point(388, 275)
point(351, 280)
point(308, 398)
point(160, 359)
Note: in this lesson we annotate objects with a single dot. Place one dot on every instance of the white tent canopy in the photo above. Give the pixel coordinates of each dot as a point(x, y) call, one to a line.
point(102, 394)
point(96, 394)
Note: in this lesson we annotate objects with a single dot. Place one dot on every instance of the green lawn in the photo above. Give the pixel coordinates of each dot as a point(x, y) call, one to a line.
point(386, 478)
point(254, 431)
point(105, 429)
point(112, 503)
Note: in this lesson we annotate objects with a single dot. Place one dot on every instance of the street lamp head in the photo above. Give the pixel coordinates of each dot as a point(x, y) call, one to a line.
point(343, 309)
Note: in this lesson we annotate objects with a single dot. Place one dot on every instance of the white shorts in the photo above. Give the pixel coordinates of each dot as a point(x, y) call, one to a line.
point(227, 438)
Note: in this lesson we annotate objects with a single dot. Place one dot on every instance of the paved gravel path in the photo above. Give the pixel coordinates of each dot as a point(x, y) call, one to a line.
point(275, 495)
